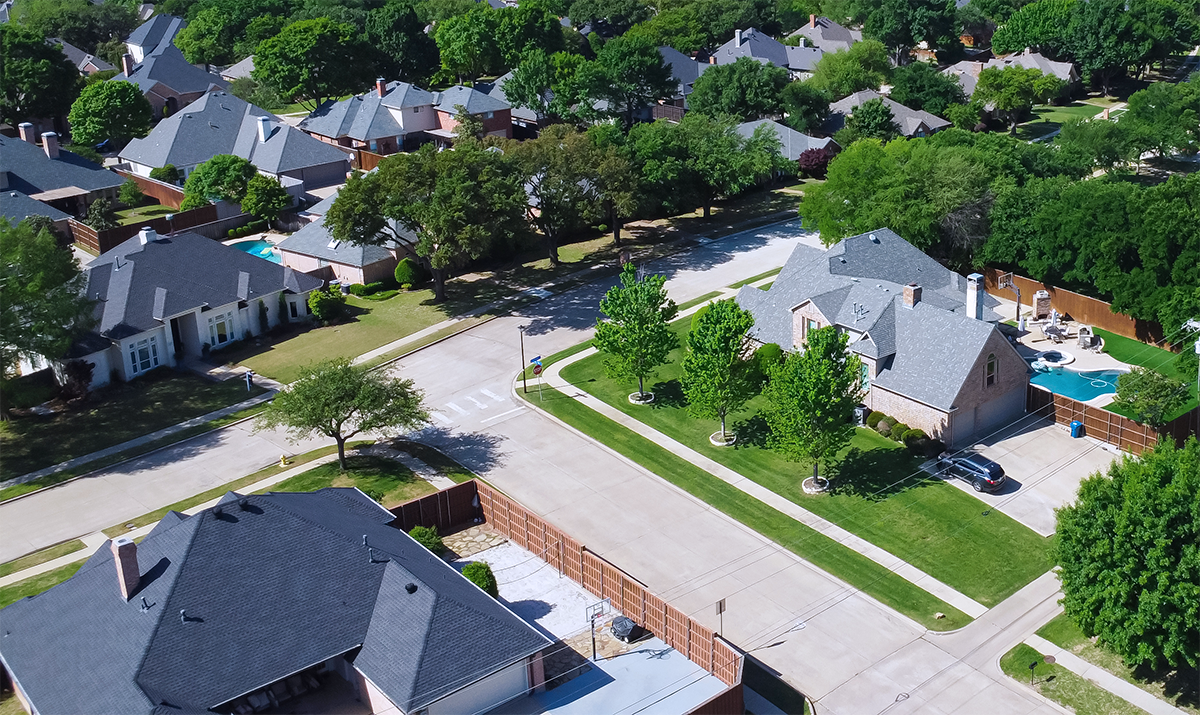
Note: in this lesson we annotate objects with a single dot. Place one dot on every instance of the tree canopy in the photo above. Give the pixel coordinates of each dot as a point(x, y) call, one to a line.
point(901, 24)
point(36, 78)
point(468, 43)
point(1014, 90)
point(403, 50)
point(224, 177)
point(79, 22)
point(746, 89)
point(609, 17)
point(920, 86)
point(628, 73)
point(716, 379)
point(872, 119)
point(805, 105)
point(1150, 396)
point(265, 197)
point(114, 110)
point(636, 335)
point(559, 168)
point(842, 73)
point(313, 60)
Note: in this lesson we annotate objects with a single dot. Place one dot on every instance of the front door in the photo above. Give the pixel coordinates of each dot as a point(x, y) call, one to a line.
point(177, 337)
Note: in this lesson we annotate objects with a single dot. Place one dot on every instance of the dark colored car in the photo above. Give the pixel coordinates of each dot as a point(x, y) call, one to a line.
point(981, 473)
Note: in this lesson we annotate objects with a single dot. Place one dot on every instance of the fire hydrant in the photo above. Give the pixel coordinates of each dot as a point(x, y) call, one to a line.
point(283, 460)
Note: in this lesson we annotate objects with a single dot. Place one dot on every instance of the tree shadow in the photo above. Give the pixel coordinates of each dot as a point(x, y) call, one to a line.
point(477, 451)
point(1181, 686)
point(668, 394)
point(876, 474)
point(752, 432)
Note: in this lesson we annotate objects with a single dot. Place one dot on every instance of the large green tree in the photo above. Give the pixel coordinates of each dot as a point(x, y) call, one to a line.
point(635, 334)
point(864, 66)
point(1164, 117)
point(545, 84)
point(224, 177)
point(559, 169)
point(469, 44)
point(208, 38)
point(717, 379)
point(628, 73)
point(340, 400)
point(805, 106)
point(313, 60)
point(529, 26)
point(1014, 90)
point(79, 22)
point(1040, 26)
point(901, 24)
point(920, 86)
point(872, 119)
point(677, 27)
point(265, 197)
point(42, 302)
point(721, 161)
point(746, 89)
point(1129, 552)
point(114, 110)
point(609, 17)
point(811, 398)
point(36, 78)
point(1150, 396)
point(403, 50)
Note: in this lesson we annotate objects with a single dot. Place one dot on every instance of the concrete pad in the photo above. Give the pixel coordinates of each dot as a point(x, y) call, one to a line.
point(914, 664)
point(996, 698)
point(869, 692)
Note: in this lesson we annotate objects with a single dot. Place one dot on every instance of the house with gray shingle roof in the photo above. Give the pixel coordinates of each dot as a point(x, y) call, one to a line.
point(967, 71)
point(220, 123)
point(84, 62)
point(685, 70)
point(260, 600)
point(791, 142)
point(827, 35)
point(63, 181)
point(755, 44)
point(912, 122)
point(933, 356)
point(153, 35)
point(239, 70)
point(162, 300)
point(166, 79)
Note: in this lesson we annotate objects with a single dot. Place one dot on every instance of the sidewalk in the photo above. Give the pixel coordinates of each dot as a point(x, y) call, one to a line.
point(906, 571)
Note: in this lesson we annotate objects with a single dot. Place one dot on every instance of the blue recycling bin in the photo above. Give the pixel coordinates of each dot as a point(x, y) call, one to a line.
point(1076, 428)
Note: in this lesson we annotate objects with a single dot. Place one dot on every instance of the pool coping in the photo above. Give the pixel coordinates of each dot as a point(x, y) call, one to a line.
point(1099, 401)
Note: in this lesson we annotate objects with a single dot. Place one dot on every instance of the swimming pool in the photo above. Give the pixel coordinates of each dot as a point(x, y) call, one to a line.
point(260, 248)
point(1082, 386)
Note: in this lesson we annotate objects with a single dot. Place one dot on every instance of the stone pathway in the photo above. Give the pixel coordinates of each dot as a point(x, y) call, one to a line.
point(465, 543)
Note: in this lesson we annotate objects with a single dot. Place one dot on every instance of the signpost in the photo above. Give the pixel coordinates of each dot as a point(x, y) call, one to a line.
point(537, 370)
point(721, 613)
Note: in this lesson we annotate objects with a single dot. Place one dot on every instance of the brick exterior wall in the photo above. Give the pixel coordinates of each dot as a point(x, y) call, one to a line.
point(935, 422)
point(499, 125)
point(800, 316)
point(1012, 374)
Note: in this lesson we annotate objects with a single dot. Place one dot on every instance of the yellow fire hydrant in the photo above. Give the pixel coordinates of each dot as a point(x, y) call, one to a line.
point(283, 460)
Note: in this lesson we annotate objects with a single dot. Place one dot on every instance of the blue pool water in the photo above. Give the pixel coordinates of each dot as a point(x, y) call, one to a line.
point(1082, 386)
point(259, 248)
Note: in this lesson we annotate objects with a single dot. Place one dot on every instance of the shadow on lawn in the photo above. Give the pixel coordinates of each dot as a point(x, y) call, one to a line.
point(1181, 686)
point(876, 474)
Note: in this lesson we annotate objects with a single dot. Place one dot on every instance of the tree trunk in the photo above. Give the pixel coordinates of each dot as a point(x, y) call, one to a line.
point(551, 247)
point(707, 208)
point(616, 224)
point(341, 444)
point(439, 285)
point(722, 425)
point(816, 476)
point(641, 388)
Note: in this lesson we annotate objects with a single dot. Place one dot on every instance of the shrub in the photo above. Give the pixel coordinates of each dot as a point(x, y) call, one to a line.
point(890, 420)
point(409, 271)
point(874, 418)
point(231, 233)
point(131, 194)
point(768, 356)
point(327, 305)
point(427, 536)
point(602, 228)
point(382, 295)
point(358, 289)
point(168, 174)
point(913, 435)
point(814, 162)
point(480, 574)
point(897, 431)
point(85, 151)
point(883, 428)
point(697, 315)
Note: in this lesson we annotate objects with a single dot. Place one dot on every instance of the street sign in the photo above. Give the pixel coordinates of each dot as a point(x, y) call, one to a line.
point(536, 361)
point(537, 369)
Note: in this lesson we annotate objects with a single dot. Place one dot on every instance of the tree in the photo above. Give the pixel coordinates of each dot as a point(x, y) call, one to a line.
point(1164, 117)
point(1098, 143)
point(131, 194)
point(637, 336)
point(1150, 396)
point(403, 50)
point(313, 60)
point(678, 27)
point(609, 17)
point(615, 180)
point(468, 43)
point(965, 116)
point(265, 197)
point(166, 173)
point(101, 216)
point(629, 74)
point(1104, 40)
point(864, 66)
point(1129, 551)
point(327, 305)
point(208, 38)
point(260, 95)
point(722, 162)
point(559, 170)
point(480, 574)
point(531, 84)
point(36, 79)
point(262, 27)
point(814, 162)
point(1014, 90)
point(805, 106)
point(746, 89)
point(42, 302)
point(78, 22)
point(871, 120)
point(901, 24)
point(529, 26)
point(114, 110)
point(716, 379)
point(224, 177)
point(920, 86)
point(1040, 26)
point(340, 400)
point(457, 204)
point(812, 396)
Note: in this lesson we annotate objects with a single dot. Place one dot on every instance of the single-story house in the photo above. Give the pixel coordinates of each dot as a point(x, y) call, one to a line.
point(65, 182)
point(161, 300)
point(791, 142)
point(264, 599)
point(220, 123)
point(84, 62)
point(157, 33)
point(15, 207)
point(166, 79)
point(240, 70)
point(798, 61)
point(967, 71)
point(912, 122)
point(933, 356)
point(827, 35)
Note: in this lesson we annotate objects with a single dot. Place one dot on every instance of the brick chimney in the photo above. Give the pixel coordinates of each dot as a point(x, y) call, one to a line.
point(125, 556)
point(975, 296)
point(381, 86)
point(812, 20)
point(50, 144)
point(912, 295)
point(127, 64)
point(26, 131)
point(712, 59)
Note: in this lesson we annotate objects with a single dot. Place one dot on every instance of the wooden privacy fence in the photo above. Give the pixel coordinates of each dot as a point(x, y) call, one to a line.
point(1080, 308)
point(162, 192)
point(101, 241)
point(472, 500)
point(1108, 426)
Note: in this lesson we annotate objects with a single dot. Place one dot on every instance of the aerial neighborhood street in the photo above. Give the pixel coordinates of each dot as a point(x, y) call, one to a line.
point(452, 357)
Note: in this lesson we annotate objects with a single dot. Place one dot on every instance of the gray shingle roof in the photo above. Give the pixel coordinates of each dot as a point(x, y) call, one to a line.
point(791, 142)
point(268, 590)
point(314, 240)
point(193, 270)
point(168, 67)
point(924, 353)
point(764, 48)
point(473, 100)
point(365, 116)
point(16, 207)
point(239, 70)
point(78, 57)
point(684, 69)
point(220, 123)
point(156, 32)
point(495, 90)
point(828, 35)
point(967, 71)
point(909, 120)
point(30, 171)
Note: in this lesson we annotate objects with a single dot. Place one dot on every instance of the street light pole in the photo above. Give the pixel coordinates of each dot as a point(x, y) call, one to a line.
point(524, 383)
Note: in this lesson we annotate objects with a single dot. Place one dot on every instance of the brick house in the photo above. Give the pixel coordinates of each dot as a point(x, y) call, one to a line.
point(933, 356)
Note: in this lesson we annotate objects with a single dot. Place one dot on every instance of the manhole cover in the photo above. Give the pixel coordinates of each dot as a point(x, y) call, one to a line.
point(1049, 659)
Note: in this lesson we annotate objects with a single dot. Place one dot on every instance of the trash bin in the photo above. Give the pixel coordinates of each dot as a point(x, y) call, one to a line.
point(623, 629)
point(860, 415)
point(1076, 428)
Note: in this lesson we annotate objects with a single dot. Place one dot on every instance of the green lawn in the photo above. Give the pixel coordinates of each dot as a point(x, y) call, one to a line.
point(35, 585)
point(9, 705)
point(812, 546)
point(759, 277)
point(445, 466)
point(1062, 686)
point(40, 557)
point(931, 524)
point(1180, 688)
point(116, 414)
point(1135, 352)
point(141, 213)
point(1047, 118)
point(385, 480)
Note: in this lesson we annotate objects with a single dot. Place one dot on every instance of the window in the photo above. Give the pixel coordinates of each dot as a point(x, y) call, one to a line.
point(866, 376)
point(416, 110)
point(143, 355)
point(809, 326)
point(220, 329)
point(989, 374)
point(488, 115)
point(293, 307)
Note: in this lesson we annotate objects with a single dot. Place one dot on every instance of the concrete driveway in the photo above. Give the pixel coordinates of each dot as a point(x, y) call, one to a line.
point(1044, 467)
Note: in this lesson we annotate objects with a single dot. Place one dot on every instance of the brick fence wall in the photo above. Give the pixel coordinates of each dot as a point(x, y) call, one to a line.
point(1108, 426)
point(465, 502)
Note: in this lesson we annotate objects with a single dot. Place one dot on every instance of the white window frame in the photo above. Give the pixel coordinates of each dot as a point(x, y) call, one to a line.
point(213, 320)
point(146, 362)
point(991, 370)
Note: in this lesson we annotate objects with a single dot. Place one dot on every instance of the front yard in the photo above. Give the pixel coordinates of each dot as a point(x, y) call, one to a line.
point(1062, 686)
point(385, 480)
point(1047, 118)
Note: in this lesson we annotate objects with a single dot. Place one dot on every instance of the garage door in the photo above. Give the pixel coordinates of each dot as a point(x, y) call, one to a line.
point(989, 417)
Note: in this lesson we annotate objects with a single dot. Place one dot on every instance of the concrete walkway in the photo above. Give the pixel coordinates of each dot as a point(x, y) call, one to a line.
point(907, 571)
point(1101, 677)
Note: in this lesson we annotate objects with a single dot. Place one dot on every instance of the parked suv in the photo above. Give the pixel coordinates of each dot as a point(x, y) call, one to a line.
point(981, 473)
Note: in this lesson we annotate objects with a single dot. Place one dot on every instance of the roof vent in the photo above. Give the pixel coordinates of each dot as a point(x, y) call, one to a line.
point(244, 504)
point(874, 238)
point(410, 587)
point(147, 235)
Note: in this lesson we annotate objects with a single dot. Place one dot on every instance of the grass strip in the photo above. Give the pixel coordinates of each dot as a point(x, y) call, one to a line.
point(185, 504)
point(816, 548)
point(50, 480)
point(445, 465)
point(1062, 686)
point(697, 301)
point(759, 277)
point(385, 480)
point(36, 584)
point(40, 557)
